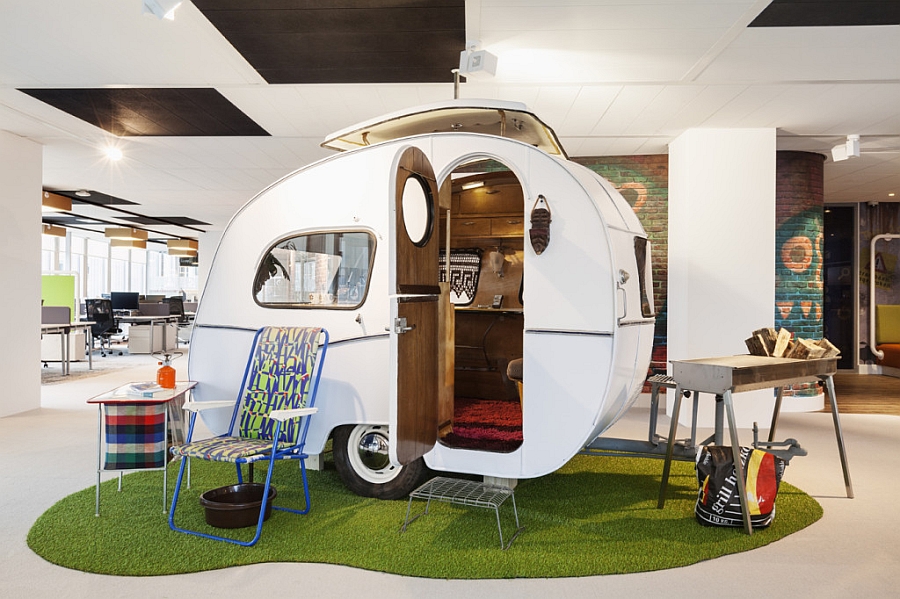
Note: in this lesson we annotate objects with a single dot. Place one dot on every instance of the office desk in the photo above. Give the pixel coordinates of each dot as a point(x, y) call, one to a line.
point(63, 330)
point(138, 431)
point(735, 374)
point(152, 321)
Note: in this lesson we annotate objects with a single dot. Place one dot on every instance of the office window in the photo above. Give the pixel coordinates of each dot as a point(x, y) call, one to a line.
point(138, 271)
point(168, 277)
point(320, 270)
point(118, 268)
point(48, 253)
point(97, 268)
point(77, 265)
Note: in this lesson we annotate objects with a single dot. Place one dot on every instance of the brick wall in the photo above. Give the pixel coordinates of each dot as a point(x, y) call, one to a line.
point(644, 182)
point(799, 226)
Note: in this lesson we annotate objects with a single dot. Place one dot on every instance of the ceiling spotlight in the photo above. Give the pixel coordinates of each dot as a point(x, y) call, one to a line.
point(83, 193)
point(113, 153)
point(848, 149)
point(477, 63)
point(161, 9)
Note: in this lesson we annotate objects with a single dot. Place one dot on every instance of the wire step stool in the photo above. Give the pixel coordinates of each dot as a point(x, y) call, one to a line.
point(464, 492)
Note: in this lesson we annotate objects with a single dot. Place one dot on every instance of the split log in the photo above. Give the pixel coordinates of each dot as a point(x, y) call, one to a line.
point(757, 346)
point(782, 344)
point(804, 349)
point(769, 337)
point(831, 350)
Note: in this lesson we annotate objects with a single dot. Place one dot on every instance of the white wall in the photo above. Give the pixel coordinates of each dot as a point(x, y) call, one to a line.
point(721, 252)
point(20, 273)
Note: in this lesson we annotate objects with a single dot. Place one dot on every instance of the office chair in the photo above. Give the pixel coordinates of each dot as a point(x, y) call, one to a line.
point(99, 311)
point(176, 308)
point(183, 324)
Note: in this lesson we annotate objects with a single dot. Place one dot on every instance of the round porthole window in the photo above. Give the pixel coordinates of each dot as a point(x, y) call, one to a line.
point(418, 211)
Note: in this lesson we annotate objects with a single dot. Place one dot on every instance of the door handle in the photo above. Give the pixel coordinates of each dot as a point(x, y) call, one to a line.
point(401, 327)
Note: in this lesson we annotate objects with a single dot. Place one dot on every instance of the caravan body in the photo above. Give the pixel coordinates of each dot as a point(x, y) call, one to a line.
point(353, 243)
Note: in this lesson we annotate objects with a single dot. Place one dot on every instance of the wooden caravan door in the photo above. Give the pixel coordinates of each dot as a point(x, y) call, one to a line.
point(415, 294)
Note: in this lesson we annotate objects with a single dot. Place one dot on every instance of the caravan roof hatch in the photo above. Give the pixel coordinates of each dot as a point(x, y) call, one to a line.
point(490, 117)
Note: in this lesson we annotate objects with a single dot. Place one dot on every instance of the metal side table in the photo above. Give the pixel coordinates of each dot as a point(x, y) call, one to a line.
point(138, 432)
point(735, 374)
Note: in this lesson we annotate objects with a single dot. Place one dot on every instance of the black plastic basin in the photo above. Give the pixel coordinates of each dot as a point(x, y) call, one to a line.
point(236, 506)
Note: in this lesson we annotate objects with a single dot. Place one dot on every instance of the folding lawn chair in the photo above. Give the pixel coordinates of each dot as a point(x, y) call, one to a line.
point(271, 414)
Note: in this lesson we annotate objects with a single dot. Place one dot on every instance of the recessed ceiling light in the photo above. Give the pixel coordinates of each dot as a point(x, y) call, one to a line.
point(890, 195)
point(113, 153)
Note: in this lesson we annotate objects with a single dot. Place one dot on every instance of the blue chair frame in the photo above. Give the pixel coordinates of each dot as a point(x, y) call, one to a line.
point(293, 421)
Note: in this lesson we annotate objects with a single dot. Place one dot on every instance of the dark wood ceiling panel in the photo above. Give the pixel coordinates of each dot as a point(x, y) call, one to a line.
point(153, 111)
point(96, 198)
point(162, 220)
point(343, 41)
point(828, 13)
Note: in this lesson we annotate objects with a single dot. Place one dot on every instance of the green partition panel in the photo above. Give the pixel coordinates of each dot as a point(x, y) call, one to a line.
point(59, 290)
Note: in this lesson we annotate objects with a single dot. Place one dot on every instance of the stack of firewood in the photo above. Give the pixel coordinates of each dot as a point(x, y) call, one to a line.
point(766, 342)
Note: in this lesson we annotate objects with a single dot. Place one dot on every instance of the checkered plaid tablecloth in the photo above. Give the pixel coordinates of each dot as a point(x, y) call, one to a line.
point(135, 436)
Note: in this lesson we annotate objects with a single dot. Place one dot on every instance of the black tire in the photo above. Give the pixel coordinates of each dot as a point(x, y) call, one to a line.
point(361, 460)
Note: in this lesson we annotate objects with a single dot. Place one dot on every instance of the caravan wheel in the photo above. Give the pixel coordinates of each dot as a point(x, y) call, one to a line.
point(361, 459)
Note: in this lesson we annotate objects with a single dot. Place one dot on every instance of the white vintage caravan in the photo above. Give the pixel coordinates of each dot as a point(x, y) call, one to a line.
point(425, 250)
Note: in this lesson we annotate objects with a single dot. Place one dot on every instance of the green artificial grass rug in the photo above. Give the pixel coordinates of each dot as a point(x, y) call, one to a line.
point(596, 515)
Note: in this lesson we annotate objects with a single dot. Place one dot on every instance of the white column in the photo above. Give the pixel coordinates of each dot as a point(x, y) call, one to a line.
point(20, 273)
point(721, 253)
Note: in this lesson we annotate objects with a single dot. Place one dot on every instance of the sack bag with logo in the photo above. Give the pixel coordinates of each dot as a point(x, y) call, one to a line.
point(717, 499)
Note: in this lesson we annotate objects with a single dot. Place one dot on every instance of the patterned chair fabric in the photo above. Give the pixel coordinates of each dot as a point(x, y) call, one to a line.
point(278, 379)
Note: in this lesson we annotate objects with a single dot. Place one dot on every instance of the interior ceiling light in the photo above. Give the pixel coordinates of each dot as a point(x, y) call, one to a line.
point(128, 243)
point(48, 229)
point(52, 202)
point(182, 253)
point(161, 9)
point(113, 153)
point(182, 245)
point(83, 193)
point(472, 185)
point(126, 233)
point(184, 248)
point(848, 149)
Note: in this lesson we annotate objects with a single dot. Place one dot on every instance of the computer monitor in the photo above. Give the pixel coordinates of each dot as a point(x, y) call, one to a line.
point(125, 300)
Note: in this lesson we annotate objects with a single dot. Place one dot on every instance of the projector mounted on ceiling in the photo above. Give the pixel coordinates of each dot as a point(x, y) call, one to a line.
point(848, 149)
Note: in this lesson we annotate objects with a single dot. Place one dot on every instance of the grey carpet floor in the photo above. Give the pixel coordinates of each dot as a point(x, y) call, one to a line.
point(854, 550)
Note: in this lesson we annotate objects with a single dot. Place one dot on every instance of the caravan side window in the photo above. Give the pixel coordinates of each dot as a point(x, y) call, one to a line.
point(317, 270)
